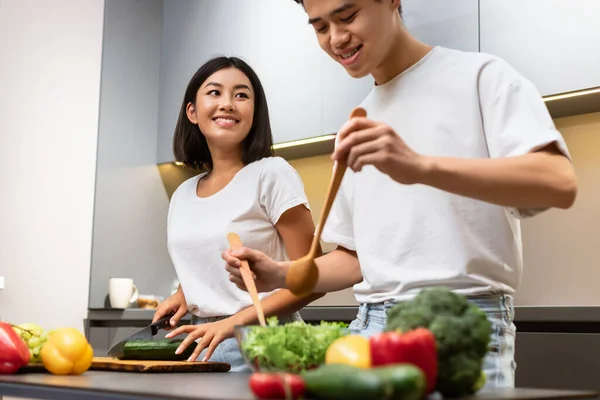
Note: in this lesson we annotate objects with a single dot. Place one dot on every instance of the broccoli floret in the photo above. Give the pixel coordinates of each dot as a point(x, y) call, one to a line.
point(459, 374)
point(462, 333)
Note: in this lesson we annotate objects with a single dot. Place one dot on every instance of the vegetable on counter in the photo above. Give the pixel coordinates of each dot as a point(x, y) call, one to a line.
point(350, 350)
point(34, 336)
point(14, 353)
point(462, 332)
point(408, 381)
point(276, 385)
point(67, 352)
point(416, 347)
point(339, 381)
point(292, 347)
point(159, 350)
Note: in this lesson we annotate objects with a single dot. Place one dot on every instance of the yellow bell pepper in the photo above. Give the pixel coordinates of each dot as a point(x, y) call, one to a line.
point(350, 350)
point(67, 352)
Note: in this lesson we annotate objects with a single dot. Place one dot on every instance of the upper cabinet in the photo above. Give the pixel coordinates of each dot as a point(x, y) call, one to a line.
point(453, 24)
point(272, 36)
point(554, 43)
point(308, 93)
point(281, 47)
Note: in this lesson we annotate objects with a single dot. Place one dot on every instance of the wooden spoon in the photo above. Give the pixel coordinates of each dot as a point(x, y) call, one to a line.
point(236, 243)
point(303, 273)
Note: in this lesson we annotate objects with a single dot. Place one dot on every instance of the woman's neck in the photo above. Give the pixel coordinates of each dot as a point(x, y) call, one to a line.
point(226, 163)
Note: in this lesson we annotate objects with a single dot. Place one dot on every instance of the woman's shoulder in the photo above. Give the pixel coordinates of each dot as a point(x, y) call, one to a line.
point(187, 186)
point(276, 166)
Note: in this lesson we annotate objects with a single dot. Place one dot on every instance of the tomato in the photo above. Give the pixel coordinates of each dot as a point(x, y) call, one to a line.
point(275, 385)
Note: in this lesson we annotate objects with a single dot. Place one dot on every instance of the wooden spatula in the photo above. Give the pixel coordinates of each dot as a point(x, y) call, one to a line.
point(303, 273)
point(235, 243)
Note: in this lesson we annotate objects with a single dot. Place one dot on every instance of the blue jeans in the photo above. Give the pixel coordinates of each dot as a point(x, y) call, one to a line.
point(228, 351)
point(499, 364)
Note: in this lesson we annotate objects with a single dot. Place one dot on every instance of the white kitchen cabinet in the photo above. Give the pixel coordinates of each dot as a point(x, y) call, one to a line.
point(453, 24)
point(271, 35)
point(285, 55)
point(446, 23)
point(308, 93)
point(554, 43)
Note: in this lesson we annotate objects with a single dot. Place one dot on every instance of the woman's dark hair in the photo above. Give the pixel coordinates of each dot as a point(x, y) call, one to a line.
point(189, 144)
point(399, 7)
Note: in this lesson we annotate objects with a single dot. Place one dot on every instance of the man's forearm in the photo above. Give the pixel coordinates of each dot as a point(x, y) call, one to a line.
point(338, 270)
point(536, 180)
point(281, 302)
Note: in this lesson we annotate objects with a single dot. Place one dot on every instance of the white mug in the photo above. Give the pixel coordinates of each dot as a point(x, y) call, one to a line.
point(122, 292)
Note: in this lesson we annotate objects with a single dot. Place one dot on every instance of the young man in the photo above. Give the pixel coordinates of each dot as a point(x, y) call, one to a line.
point(457, 147)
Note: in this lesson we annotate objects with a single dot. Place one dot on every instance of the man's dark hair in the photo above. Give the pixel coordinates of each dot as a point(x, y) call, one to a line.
point(302, 3)
point(189, 144)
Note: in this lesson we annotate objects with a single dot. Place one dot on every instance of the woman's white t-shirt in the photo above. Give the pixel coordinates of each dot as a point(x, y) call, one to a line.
point(250, 205)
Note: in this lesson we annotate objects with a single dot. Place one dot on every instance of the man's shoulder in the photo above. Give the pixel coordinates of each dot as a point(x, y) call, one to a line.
point(469, 58)
point(465, 67)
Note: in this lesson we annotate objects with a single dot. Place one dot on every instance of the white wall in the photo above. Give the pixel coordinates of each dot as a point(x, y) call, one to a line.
point(130, 212)
point(50, 87)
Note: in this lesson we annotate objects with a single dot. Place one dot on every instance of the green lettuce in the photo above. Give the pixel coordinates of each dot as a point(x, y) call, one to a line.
point(293, 347)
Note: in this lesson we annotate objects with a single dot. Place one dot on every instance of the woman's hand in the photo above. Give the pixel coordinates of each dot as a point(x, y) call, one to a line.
point(176, 304)
point(209, 335)
point(268, 274)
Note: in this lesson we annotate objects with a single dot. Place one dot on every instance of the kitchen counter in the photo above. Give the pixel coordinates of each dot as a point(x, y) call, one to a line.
point(99, 385)
point(140, 317)
point(107, 316)
point(566, 337)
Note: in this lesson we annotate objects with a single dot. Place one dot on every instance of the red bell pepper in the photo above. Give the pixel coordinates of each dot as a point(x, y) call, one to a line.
point(417, 347)
point(14, 352)
point(276, 385)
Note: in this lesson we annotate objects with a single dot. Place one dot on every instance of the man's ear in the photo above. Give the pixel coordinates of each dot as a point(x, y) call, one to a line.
point(190, 111)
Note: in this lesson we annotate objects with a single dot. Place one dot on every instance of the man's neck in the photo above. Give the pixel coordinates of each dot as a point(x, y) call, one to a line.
point(404, 52)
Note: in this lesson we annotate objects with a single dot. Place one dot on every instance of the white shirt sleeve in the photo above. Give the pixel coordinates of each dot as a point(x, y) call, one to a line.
point(281, 188)
point(515, 118)
point(339, 227)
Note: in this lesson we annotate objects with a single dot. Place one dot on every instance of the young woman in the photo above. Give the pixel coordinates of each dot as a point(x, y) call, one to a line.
point(224, 127)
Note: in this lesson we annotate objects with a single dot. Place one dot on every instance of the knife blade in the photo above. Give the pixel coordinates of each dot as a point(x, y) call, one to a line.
point(146, 333)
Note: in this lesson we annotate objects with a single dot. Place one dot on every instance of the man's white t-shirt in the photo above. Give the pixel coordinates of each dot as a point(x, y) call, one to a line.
point(409, 237)
point(250, 205)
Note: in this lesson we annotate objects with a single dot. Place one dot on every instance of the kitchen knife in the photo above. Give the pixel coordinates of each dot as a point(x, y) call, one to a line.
point(145, 334)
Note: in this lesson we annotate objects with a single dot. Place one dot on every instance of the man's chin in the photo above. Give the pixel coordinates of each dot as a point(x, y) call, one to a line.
point(357, 73)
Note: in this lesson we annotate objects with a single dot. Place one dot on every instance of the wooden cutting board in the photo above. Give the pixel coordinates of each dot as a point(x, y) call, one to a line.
point(112, 364)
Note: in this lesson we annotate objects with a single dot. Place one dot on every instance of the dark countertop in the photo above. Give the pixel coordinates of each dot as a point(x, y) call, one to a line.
point(100, 385)
point(104, 316)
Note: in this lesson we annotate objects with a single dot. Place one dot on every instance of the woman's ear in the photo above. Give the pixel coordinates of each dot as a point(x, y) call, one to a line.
point(190, 111)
